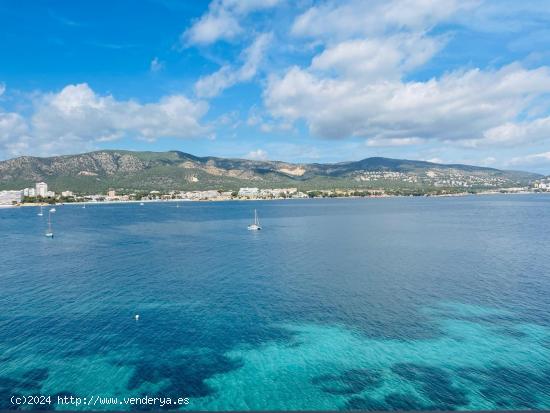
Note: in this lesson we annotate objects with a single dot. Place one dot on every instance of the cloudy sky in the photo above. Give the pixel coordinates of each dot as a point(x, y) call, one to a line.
point(308, 81)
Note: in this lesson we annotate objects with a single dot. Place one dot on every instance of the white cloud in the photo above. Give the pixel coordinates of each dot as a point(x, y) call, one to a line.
point(77, 118)
point(12, 125)
point(461, 105)
point(539, 159)
point(336, 20)
point(357, 84)
point(394, 142)
point(507, 16)
point(377, 58)
point(257, 155)
point(213, 84)
point(221, 22)
point(515, 133)
point(78, 110)
point(156, 65)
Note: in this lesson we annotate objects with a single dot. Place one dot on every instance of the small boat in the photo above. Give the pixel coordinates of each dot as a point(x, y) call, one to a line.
point(52, 210)
point(141, 203)
point(49, 232)
point(256, 225)
point(84, 206)
point(41, 212)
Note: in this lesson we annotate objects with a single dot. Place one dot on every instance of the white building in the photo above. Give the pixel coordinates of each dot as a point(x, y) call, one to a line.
point(10, 197)
point(41, 189)
point(67, 193)
point(249, 191)
point(29, 192)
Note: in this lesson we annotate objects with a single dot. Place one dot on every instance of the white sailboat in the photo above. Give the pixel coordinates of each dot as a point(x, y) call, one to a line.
point(256, 225)
point(41, 212)
point(49, 232)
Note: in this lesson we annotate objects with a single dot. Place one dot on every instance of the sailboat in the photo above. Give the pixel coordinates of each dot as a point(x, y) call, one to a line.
point(256, 225)
point(41, 212)
point(84, 206)
point(49, 232)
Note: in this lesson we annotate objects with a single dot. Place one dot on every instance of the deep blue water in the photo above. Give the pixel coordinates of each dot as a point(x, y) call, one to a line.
point(398, 303)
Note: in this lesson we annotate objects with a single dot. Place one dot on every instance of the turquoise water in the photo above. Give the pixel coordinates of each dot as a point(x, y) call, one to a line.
point(378, 304)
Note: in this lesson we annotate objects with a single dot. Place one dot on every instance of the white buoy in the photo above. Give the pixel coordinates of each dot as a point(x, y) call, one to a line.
point(136, 317)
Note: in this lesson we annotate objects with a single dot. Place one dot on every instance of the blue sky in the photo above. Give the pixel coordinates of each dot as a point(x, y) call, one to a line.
point(306, 81)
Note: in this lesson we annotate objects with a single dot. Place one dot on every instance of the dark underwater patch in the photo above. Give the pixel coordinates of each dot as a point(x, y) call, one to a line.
point(510, 388)
point(36, 376)
point(185, 375)
point(511, 332)
point(349, 382)
point(435, 384)
point(28, 382)
point(5, 403)
point(513, 388)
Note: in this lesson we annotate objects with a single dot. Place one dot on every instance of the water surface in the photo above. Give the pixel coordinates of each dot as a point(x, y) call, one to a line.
point(398, 303)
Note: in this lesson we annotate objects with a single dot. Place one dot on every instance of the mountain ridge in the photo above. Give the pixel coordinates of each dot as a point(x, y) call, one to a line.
point(100, 170)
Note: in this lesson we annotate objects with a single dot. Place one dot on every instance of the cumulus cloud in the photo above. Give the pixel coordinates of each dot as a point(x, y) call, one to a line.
point(77, 117)
point(221, 22)
point(357, 84)
point(377, 58)
point(257, 155)
point(228, 75)
point(12, 125)
point(514, 133)
point(461, 105)
point(78, 110)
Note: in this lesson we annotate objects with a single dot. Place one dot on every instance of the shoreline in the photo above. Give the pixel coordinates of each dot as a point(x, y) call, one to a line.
point(149, 201)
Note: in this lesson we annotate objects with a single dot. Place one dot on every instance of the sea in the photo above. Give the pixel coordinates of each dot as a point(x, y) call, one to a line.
point(404, 303)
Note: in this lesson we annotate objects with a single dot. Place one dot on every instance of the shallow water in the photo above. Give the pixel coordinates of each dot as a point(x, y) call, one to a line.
point(400, 303)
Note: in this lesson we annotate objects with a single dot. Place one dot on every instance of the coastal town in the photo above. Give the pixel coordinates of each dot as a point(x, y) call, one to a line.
point(40, 193)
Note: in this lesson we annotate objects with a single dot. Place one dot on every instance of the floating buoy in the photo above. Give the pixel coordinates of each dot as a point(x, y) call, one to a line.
point(136, 317)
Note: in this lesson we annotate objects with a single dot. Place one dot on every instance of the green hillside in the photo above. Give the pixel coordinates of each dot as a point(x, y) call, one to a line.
point(96, 172)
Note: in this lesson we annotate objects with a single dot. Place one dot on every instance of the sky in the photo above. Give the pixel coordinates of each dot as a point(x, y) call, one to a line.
point(450, 81)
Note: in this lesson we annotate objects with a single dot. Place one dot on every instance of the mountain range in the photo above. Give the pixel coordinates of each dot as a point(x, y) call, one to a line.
point(96, 172)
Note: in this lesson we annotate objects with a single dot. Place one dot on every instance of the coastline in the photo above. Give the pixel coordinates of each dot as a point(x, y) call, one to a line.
point(150, 201)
